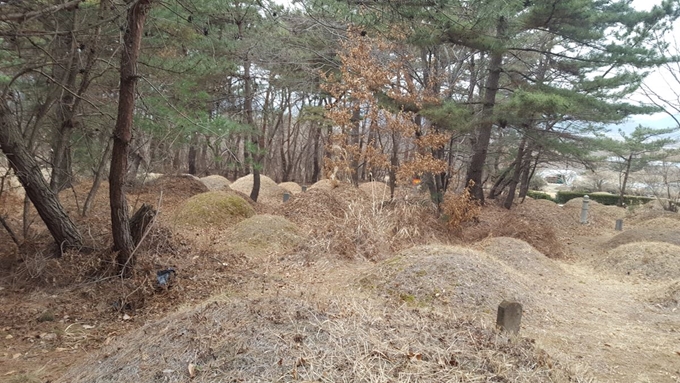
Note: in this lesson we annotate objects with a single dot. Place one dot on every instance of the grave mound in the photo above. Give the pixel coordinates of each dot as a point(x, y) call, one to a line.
point(291, 187)
point(216, 182)
point(179, 186)
point(325, 184)
point(653, 261)
point(449, 275)
point(644, 234)
point(521, 256)
point(270, 192)
point(212, 209)
point(233, 339)
point(262, 234)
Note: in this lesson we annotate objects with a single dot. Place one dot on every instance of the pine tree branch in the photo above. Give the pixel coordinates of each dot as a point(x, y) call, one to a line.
point(21, 17)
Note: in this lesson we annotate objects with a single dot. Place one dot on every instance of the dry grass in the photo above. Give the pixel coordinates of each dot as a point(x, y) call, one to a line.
point(376, 191)
point(653, 261)
point(212, 209)
point(666, 297)
point(345, 222)
point(216, 182)
point(270, 192)
point(330, 340)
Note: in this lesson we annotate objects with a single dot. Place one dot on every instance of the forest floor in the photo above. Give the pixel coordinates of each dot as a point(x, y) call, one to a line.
point(412, 307)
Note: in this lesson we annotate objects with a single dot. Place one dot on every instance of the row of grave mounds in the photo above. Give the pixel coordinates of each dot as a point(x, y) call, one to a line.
point(332, 337)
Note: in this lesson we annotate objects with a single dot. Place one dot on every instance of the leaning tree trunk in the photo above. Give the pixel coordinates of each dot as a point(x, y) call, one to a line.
point(122, 135)
point(38, 191)
point(510, 198)
point(480, 144)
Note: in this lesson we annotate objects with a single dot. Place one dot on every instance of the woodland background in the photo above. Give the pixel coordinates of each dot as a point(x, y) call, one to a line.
point(457, 95)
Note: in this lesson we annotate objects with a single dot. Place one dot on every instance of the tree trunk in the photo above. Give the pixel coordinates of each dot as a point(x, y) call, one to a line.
point(120, 222)
point(528, 174)
point(480, 144)
point(65, 73)
point(515, 175)
point(354, 142)
point(192, 156)
point(99, 174)
point(27, 170)
point(625, 180)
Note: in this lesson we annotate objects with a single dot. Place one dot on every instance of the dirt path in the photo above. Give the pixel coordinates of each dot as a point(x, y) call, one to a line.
point(599, 324)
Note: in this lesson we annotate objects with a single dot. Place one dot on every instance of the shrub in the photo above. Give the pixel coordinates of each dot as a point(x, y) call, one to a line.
point(459, 208)
point(605, 199)
point(539, 195)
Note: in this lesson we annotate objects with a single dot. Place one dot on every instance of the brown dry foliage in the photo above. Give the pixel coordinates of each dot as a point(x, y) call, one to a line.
point(459, 208)
point(348, 223)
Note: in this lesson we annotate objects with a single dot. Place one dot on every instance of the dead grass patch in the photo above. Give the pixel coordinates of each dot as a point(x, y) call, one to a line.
point(338, 340)
point(667, 296)
point(376, 191)
point(653, 261)
point(212, 209)
point(345, 222)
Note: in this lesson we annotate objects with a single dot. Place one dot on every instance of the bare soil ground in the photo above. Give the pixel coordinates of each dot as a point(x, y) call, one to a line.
point(376, 293)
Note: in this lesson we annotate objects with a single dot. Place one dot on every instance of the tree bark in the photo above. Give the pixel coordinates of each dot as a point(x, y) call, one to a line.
point(515, 175)
point(122, 135)
point(629, 161)
point(97, 179)
point(480, 144)
point(27, 170)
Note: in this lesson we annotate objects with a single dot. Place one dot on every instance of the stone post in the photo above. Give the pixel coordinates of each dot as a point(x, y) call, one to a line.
point(584, 210)
point(304, 188)
point(619, 225)
point(286, 197)
point(509, 318)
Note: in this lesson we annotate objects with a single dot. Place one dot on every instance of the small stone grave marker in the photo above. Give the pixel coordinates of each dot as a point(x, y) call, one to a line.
point(509, 316)
point(286, 197)
point(619, 225)
point(584, 210)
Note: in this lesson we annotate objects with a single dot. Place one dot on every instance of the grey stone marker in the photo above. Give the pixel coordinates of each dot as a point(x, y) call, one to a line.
point(619, 225)
point(584, 210)
point(286, 197)
point(509, 316)
point(304, 188)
